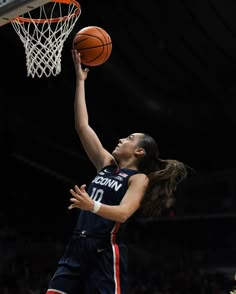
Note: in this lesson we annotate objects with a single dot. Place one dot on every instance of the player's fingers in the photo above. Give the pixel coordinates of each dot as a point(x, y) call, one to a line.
point(73, 193)
point(71, 206)
point(74, 54)
point(75, 201)
point(82, 188)
point(78, 190)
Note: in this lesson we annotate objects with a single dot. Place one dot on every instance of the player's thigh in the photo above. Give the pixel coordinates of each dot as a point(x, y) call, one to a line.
point(67, 281)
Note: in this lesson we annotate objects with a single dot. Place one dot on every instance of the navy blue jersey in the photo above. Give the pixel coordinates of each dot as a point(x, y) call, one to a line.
point(94, 257)
point(108, 187)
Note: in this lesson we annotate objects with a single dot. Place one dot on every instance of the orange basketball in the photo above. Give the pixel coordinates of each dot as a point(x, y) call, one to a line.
point(94, 45)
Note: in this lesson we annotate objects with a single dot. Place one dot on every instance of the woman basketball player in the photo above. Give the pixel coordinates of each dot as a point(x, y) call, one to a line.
point(133, 176)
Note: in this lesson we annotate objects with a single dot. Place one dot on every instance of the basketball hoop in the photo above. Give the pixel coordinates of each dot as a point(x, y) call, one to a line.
point(43, 32)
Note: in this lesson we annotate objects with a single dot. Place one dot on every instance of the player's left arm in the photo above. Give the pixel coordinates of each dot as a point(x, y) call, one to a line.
point(119, 213)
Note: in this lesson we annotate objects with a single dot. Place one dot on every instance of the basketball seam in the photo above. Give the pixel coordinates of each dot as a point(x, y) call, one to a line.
point(105, 35)
point(87, 48)
point(98, 56)
point(91, 36)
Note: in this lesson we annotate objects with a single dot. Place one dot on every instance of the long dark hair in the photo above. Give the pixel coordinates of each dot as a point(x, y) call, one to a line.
point(164, 176)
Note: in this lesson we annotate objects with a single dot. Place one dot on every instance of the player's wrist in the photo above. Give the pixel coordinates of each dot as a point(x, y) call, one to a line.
point(96, 206)
point(80, 80)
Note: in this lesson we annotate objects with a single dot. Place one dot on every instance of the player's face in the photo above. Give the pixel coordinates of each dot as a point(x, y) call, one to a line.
point(127, 146)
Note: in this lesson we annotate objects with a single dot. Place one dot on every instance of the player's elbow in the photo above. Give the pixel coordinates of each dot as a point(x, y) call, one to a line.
point(122, 218)
point(79, 127)
point(122, 215)
point(126, 213)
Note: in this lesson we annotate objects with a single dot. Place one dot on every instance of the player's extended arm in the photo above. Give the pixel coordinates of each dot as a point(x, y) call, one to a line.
point(89, 139)
point(119, 213)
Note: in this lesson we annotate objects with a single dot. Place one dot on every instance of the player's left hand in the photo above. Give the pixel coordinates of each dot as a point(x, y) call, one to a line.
point(81, 199)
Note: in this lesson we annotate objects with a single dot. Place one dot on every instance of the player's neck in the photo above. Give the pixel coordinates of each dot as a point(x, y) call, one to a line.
point(127, 164)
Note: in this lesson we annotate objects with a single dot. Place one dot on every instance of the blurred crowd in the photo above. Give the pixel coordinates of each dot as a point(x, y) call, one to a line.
point(27, 265)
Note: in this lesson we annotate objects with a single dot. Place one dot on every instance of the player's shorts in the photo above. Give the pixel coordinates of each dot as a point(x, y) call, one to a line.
point(91, 266)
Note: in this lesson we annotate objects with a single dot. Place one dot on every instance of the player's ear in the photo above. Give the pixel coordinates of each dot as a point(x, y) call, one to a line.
point(139, 151)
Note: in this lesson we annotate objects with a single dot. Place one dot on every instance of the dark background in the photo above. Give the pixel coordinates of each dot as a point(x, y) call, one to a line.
point(171, 74)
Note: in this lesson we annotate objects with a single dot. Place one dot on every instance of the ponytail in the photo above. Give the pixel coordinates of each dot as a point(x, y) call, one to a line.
point(162, 185)
point(164, 176)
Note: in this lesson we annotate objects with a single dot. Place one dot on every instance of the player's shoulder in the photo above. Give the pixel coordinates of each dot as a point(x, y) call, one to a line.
point(139, 178)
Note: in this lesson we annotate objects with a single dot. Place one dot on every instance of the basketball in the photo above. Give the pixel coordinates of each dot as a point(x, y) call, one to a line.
point(94, 45)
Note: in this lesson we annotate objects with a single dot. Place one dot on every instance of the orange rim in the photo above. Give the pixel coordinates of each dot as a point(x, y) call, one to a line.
point(56, 19)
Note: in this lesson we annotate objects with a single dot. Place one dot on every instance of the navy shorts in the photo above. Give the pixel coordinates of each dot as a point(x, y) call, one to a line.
point(92, 266)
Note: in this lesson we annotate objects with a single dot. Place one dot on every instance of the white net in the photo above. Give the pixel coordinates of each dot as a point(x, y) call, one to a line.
point(43, 32)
